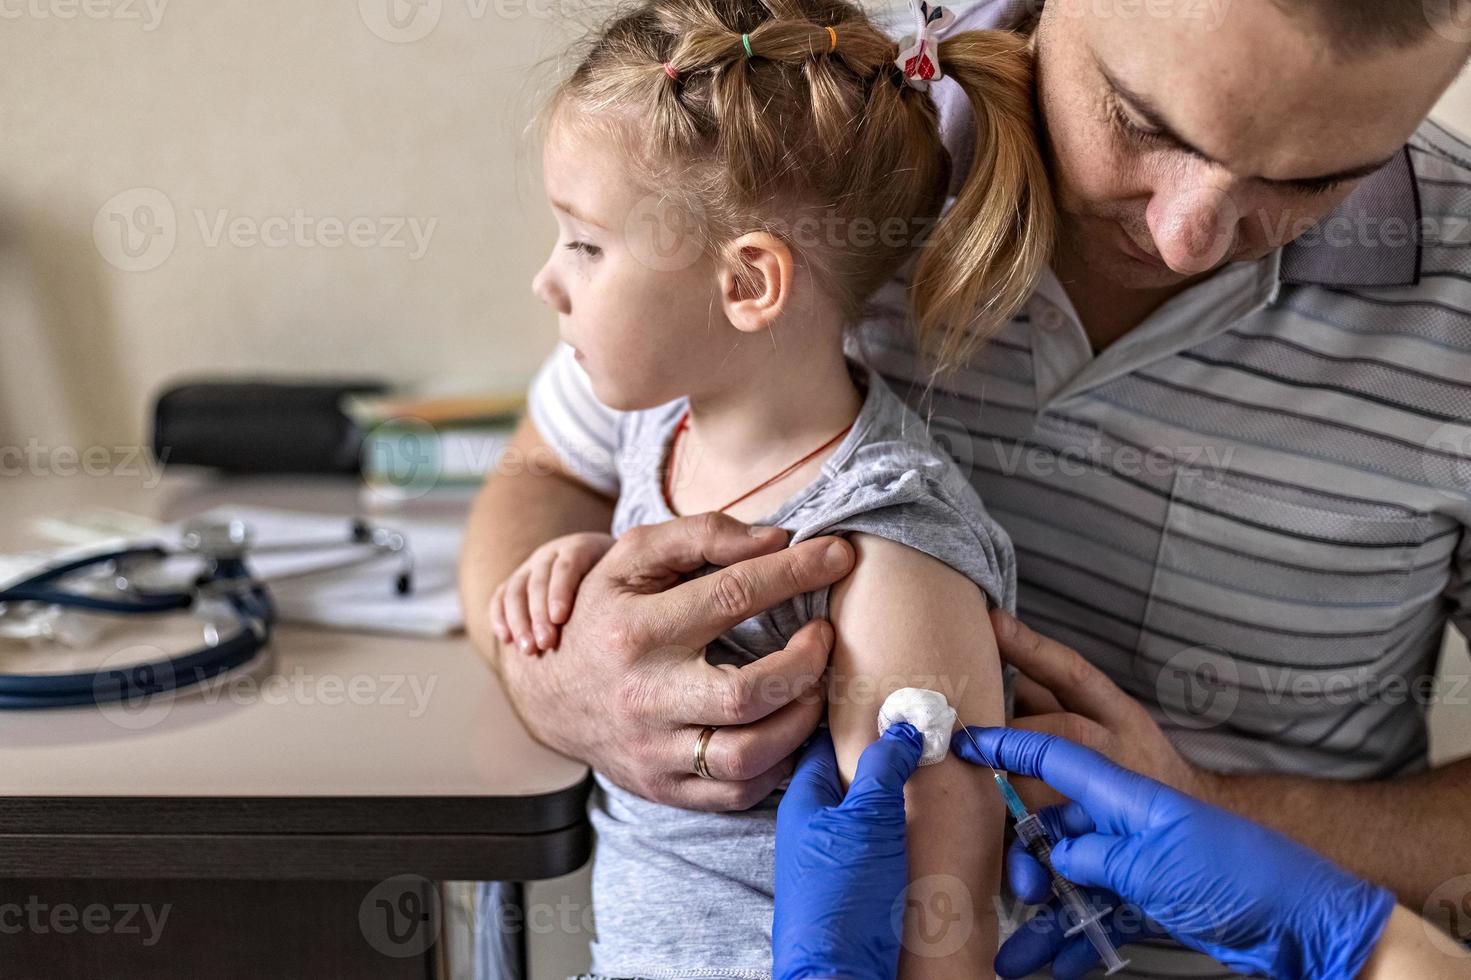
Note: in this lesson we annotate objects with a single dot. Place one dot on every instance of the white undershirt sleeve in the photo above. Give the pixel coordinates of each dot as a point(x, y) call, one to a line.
point(579, 428)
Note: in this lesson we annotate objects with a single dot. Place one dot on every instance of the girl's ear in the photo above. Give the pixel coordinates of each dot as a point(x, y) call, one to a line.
point(756, 281)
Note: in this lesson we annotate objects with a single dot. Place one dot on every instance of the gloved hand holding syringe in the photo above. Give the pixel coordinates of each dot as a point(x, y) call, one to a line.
point(1034, 836)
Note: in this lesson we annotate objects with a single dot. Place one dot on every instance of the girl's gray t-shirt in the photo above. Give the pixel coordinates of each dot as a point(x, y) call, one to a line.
point(684, 893)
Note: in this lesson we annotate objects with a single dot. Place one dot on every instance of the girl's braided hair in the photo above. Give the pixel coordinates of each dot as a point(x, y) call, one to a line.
point(801, 126)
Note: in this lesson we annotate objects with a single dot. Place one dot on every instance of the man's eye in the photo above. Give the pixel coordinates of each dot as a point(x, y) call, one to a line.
point(591, 251)
point(1320, 187)
point(1150, 137)
point(1133, 129)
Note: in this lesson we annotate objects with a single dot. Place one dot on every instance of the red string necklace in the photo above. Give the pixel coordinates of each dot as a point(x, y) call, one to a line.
point(679, 430)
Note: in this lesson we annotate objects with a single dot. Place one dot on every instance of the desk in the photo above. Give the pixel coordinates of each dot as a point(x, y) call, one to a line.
point(279, 799)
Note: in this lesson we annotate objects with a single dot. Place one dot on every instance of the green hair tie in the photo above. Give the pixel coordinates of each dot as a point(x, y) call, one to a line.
point(746, 40)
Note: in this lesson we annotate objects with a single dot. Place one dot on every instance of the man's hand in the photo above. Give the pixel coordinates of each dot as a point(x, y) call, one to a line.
point(630, 691)
point(1062, 694)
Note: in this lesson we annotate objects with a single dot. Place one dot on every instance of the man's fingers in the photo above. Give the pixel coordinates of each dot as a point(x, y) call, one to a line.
point(1034, 699)
point(745, 751)
point(650, 554)
point(1075, 728)
point(1035, 794)
point(711, 604)
point(720, 796)
point(703, 694)
point(1077, 685)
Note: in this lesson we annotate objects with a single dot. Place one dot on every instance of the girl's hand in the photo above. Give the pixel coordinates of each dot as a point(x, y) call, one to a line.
point(530, 606)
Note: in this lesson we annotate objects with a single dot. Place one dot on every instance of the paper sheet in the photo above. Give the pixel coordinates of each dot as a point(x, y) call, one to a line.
point(361, 598)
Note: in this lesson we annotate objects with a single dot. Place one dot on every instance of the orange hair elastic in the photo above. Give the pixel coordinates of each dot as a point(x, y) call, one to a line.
point(833, 33)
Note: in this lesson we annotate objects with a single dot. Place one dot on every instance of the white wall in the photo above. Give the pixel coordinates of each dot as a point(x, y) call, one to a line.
point(252, 110)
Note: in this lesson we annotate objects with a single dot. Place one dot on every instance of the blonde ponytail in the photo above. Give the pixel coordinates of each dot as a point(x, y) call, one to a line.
point(986, 254)
point(770, 114)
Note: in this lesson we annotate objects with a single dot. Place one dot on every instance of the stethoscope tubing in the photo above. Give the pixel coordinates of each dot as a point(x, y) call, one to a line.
point(251, 602)
point(34, 588)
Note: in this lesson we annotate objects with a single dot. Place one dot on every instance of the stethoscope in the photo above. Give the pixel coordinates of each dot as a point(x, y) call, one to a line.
point(224, 579)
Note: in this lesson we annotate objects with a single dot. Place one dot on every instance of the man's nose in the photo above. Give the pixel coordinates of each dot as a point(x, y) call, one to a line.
point(1195, 228)
point(549, 291)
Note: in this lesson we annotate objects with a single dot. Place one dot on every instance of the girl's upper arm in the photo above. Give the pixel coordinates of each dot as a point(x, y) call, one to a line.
point(905, 619)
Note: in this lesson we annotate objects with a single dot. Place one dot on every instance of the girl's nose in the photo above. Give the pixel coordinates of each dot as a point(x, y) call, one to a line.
point(549, 291)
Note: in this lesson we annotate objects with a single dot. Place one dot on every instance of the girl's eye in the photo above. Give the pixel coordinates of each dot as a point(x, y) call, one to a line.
point(591, 251)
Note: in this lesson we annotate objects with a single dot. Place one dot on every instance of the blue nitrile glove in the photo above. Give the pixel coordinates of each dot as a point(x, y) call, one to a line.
point(841, 863)
point(1216, 882)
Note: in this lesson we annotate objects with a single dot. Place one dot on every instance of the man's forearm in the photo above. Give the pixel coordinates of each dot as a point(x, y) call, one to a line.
point(1408, 835)
point(525, 504)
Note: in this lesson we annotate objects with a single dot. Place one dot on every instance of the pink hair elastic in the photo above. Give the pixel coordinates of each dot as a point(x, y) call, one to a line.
point(669, 70)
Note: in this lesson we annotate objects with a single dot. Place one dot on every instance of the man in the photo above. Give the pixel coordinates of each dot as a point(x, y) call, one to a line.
point(1228, 437)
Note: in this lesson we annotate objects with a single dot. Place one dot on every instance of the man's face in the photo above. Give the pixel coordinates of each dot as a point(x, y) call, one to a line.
point(1185, 135)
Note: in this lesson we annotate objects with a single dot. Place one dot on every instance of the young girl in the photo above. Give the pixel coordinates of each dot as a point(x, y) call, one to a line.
point(733, 179)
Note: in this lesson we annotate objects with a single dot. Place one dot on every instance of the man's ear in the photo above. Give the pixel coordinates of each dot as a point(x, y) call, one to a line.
point(756, 281)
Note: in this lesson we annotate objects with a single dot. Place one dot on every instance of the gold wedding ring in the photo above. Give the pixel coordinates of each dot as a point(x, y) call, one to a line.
point(702, 768)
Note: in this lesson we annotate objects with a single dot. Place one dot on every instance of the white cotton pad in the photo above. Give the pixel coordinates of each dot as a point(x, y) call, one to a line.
point(928, 712)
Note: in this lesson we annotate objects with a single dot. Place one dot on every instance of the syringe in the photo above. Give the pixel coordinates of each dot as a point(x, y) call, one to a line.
point(1034, 837)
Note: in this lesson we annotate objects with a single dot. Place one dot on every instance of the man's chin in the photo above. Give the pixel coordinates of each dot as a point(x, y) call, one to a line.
point(1094, 245)
point(1133, 274)
point(1127, 272)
